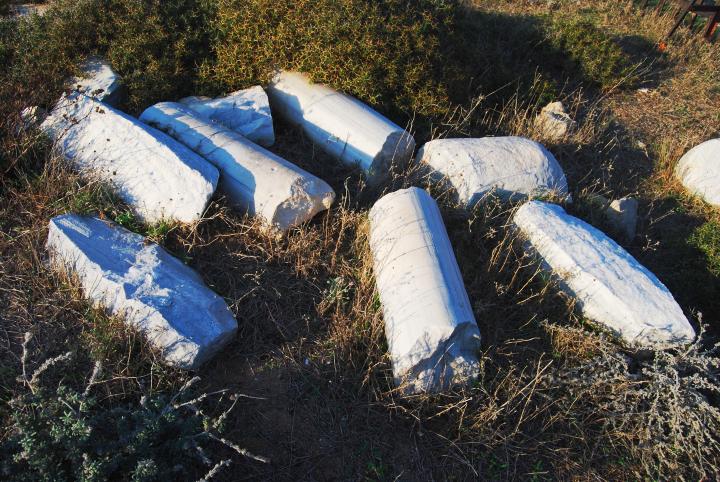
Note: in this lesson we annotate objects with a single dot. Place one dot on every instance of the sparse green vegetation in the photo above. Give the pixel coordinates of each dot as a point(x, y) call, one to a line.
point(61, 433)
point(594, 52)
point(706, 238)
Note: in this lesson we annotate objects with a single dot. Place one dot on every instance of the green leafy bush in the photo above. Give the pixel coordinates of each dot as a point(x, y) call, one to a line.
point(63, 433)
point(706, 238)
point(156, 46)
point(393, 54)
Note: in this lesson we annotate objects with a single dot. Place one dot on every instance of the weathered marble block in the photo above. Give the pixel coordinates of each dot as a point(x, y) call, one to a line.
point(511, 167)
point(342, 126)
point(554, 123)
point(152, 172)
point(429, 324)
point(699, 171)
point(254, 179)
point(246, 112)
point(610, 286)
point(98, 80)
point(153, 291)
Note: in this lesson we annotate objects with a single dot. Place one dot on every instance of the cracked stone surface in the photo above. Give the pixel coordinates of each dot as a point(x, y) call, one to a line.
point(153, 291)
point(554, 122)
point(699, 171)
point(611, 287)
point(157, 176)
point(342, 126)
point(246, 112)
point(98, 80)
point(511, 167)
point(431, 331)
point(254, 179)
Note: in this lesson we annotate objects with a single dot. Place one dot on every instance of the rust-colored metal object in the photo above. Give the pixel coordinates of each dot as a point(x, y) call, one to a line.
point(694, 8)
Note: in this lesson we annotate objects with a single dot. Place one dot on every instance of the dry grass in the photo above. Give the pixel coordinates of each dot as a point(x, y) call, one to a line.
point(556, 399)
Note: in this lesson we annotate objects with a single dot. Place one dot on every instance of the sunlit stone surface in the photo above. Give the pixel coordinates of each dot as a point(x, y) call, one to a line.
point(610, 286)
point(429, 324)
point(153, 291)
point(511, 167)
point(246, 112)
point(342, 126)
point(254, 179)
point(152, 172)
point(699, 171)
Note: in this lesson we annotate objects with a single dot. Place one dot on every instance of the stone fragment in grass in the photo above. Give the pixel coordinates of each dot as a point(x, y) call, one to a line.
point(610, 286)
point(246, 112)
point(157, 176)
point(622, 214)
point(554, 123)
point(154, 292)
point(699, 171)
point(342, 126)
point(98, 80)
point(254, 179)
point(511, 167)
point(429, 324)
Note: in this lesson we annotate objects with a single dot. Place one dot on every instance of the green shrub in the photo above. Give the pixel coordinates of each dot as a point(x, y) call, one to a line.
point(389, 53)
point(706, 238)
point(156, 46)
point(66, 434)
point(592, 51)
point(4, 7)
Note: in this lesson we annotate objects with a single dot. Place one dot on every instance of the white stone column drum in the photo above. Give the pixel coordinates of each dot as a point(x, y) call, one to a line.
point(255, 179)
point(141, 282)
point(246, 112)
point(429, 324)
point(157, 176)
point(342, 126)
point(511, 167)
point(611, 287)
point(699, 171)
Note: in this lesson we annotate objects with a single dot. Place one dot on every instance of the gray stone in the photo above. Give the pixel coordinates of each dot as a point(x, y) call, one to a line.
point(554, 122)
point(153, 291)
point(622, 214)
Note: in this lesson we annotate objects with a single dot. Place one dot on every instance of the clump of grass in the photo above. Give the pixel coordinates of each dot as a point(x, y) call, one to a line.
point(667, 419)
point(600, 59)
point(706, 238)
